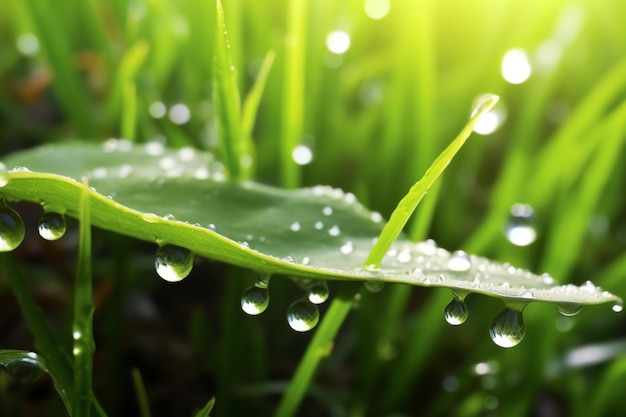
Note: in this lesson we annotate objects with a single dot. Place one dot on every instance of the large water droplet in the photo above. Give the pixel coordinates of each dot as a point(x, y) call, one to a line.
point(456, 312)
point(27, 369)
point(459, 262)
point(173, 263)
point(318, 293)
point(303, 315)
point(374, 286)
point(255, 300)
point(11, 228)
point(569, 309)
point(507, 329)
point(52, 226)
point(520, 228)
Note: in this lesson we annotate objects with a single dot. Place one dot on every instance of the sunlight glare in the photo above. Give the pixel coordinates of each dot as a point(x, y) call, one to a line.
point(515, 66)
point(338, 42)
point(376, 9)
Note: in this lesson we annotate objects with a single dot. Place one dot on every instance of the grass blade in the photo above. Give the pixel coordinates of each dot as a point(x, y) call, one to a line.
point(46, 341)
point(142, 396)
point(227, 101)
point(82, 328)
point(206, 410)
point(293, 91)
point(407, 205)
point(319, 348)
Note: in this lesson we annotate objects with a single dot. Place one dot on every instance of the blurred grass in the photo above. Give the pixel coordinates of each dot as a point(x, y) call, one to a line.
point(374, 118)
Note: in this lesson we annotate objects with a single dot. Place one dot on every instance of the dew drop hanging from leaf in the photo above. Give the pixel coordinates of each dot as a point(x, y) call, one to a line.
point(173, 263)
point(52, 226)
point(11, 228)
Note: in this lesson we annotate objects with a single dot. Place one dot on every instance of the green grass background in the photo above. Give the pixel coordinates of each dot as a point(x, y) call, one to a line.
point(374, 118)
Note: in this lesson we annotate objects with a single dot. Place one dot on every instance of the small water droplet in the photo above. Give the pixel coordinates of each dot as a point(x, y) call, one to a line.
point(173, 263)
point(255, 300)
point(617, 307)
point(327, 211)
point(318, 293)
point(11, 228)
point(347, 248)
point(404, 257)
point(427, 247)
point(52, 226)
point(456, 312)
point(27, 369)
point(374, 286)
point(569, 309)
point(303, 315)
point(295, 226)
point(507, 329)
point(334, 231)
point(263, 280)
point(459, 262)
point(520, 228)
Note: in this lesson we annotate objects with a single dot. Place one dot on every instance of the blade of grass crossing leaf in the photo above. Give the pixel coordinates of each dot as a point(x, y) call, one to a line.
point(407, 205)
point(142, 396)
point(82, 327)
point(227, 101)
point(206, 410)
point(293, 90)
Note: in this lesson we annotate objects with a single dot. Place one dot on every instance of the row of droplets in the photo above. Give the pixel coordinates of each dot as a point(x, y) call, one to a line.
point(302, 315)
point(12, 231)
point(507, 329)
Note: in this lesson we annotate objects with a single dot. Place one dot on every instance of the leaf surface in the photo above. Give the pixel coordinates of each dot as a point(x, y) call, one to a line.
point(180, 197)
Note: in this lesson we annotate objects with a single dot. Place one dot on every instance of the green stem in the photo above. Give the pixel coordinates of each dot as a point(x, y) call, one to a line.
point(319, 348)
point(82, 329)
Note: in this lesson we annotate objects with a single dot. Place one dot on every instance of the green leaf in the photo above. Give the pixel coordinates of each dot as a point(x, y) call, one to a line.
point(179, 197)
point(206, 410)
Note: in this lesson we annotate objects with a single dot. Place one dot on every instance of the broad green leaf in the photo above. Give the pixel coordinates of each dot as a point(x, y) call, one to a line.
point(180, 197)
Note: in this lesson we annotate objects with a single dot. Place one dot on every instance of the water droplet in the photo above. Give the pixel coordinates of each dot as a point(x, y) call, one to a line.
point(459, 262)
point(318, 292)
point(456, 312)
point(334, 231)
point(427, 247)
point(374, 286)
point(11, 228)
point(173, 263)
point(52, 226)
point(617, 307)
point(347, 248)
point(507, 329)
point(569, 309)
point(255, 300)
point(295, 226)
point(262, 280)
point(327, 211)
point(520, 227)
point(303, 315)
point(26, 369)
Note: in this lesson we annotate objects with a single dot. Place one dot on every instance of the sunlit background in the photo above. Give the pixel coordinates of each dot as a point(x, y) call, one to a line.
point(363, 95)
